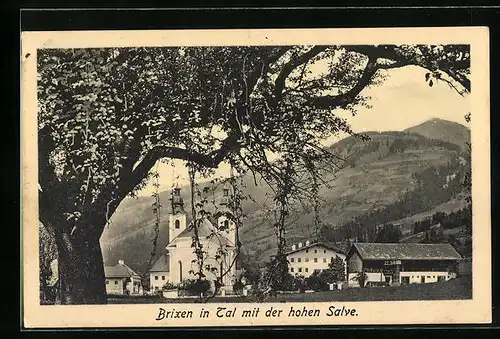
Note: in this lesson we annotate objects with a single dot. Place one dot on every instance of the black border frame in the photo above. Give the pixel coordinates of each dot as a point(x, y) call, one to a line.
point(266, 17)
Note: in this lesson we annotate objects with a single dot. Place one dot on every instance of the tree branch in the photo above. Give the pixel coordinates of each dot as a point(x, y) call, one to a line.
point(393, 52)
point(342, 100)
point(134, 178)
point(288, 68)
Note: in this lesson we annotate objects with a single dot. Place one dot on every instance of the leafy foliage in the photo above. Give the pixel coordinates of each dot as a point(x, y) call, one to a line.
point(169, 286)
point(195, 287)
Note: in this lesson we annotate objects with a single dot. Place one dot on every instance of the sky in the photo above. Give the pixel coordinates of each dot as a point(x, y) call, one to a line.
point(403, 100)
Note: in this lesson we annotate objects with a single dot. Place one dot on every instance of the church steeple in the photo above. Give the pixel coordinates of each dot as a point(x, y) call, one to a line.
point(177, 216)
point(176, 201)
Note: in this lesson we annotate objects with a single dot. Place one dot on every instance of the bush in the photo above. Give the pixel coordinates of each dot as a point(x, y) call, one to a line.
point(194, 287)
point(293, 283)
point(238, 287)
point(169, 286)
point(317, 282)
point(299, 284)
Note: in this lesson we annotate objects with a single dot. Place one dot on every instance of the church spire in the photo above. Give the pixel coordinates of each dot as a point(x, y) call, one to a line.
point(177, 201)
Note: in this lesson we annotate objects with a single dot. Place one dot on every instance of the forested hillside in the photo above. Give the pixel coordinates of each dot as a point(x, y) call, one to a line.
point(389, 176)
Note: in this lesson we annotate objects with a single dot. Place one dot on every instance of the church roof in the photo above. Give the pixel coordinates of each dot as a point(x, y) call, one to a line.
point(162, 264)
point(205, 230)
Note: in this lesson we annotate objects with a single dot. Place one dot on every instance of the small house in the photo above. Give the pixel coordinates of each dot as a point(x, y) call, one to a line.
point(159, 273)
point(122, 280)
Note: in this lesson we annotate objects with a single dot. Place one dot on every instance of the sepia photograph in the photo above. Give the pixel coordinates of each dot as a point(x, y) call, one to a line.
point(265, 181)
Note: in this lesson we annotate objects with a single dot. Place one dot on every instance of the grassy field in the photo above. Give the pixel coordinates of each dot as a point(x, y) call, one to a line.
point(457, 289)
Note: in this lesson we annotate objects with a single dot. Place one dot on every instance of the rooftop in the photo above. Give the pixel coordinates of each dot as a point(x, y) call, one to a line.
point(119, 271)
point(162, 264)
point(205, 230)
point(407, 251)
point(331, 246)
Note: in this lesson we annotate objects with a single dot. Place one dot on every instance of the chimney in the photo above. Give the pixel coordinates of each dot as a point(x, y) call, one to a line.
point(294, 247)
point(121, 262)
point(300, 245)
point(307, 242)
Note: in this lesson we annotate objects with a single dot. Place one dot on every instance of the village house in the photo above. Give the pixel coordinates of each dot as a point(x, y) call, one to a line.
point(396, 263)
point(304, 259)
point(217, 236)
point(159, 273)
point(122, 280)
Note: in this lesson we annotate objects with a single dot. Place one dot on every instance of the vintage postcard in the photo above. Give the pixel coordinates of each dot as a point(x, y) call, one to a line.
point(212, 178)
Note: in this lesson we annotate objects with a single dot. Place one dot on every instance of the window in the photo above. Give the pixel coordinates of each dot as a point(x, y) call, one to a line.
point(162, 277)
point(428, 277)
point(307, 251)
point(307, 259)
point(226, 192)
point(156, 277)
point(307, 269)
point(107, 282)
point(324, 251)
point(291, 269)
point(315, 259)
point(300, 269)
point(324, 259)
point(116, 282)
point(226, 224)
point(315, 251)
point(177, 223)
point(292, 259)
point(299, 259)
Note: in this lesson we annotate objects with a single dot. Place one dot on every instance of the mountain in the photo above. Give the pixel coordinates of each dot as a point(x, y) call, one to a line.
point(413, 164)
point(442, 129)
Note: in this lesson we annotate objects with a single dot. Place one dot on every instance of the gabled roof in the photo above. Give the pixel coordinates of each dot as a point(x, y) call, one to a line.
point(119, 271)
point(162, 264)
point(407, 251)
point(330, 246)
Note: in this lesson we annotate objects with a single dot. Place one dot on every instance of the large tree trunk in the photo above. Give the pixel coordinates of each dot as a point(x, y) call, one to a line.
point(81, 268)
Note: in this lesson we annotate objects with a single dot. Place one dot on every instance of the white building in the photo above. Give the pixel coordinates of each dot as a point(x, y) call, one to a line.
point(397, 263)
point(305, 258)
point(217, 236)
point(121, 279)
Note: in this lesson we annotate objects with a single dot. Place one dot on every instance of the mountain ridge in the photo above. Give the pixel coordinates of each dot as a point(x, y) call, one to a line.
point(378, 173)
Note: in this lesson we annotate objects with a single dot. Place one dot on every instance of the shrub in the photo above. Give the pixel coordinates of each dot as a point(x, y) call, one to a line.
point(194, 287)
point(361, 277)
point(298, 283)
point(238, 287)
point(168, 286)
point(317, 282)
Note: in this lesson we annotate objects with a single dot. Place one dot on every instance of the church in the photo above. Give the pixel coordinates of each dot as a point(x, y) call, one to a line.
point(217, 237)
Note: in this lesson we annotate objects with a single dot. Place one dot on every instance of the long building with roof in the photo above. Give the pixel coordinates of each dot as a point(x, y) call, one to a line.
point(178, 261)
point(400, 263)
